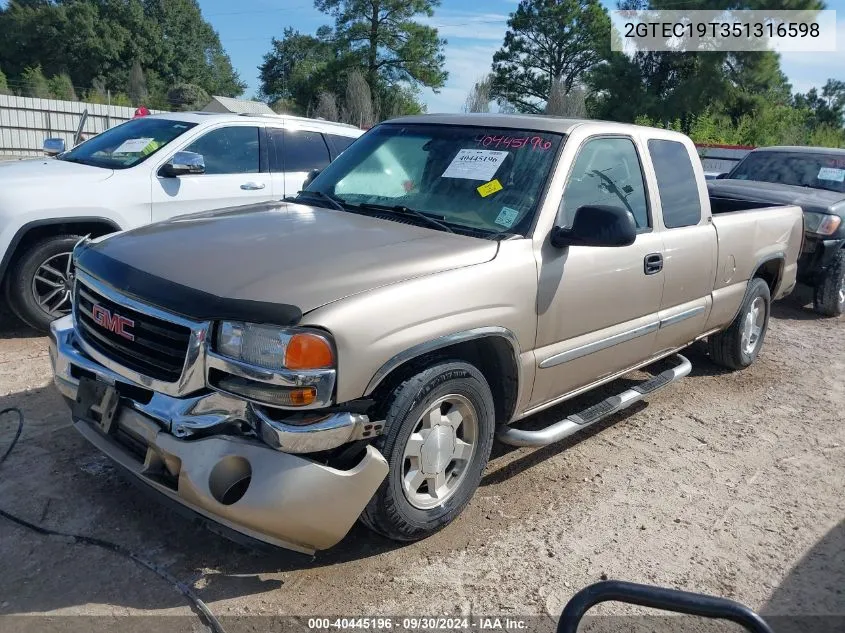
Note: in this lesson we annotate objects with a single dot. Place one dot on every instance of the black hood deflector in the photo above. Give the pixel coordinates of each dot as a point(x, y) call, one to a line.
point(178, 298)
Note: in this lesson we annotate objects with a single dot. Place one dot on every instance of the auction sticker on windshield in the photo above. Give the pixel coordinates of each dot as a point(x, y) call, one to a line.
point(133, 146)
point(831, 173)
point(475, 164)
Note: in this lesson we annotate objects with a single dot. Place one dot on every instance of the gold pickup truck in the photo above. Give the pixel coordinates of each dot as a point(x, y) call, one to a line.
point(282, 370)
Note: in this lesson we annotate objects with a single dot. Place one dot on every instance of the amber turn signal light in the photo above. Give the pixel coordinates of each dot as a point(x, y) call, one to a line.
point(308, 351)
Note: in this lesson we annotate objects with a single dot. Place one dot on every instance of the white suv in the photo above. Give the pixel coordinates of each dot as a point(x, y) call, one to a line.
point(145, 170)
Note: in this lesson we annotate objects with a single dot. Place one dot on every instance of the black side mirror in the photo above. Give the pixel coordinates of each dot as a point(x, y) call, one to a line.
point(597, 225)
point(311, 176)
point(658, 598)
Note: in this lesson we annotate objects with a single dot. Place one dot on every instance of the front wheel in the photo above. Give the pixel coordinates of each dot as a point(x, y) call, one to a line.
point(438, 436)
point(829, 298)
point(39, 287)
point(738, 346)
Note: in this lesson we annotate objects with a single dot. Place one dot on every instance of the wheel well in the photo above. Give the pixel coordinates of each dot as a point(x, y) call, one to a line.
point(770, 272)
point(31, 233)
point(492, 355)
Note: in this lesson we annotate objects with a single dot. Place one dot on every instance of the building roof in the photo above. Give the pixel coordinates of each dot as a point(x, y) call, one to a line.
point(239, 106)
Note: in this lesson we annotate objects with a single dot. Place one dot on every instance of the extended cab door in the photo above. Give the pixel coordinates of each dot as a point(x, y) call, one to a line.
point(235, 174)
point(597, 306)
point(689, 241)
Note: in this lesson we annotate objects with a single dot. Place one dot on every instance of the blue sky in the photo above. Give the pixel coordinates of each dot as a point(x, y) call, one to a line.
point(474, 30)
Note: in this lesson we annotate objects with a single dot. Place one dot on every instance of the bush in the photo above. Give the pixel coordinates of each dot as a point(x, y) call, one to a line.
point(34, 83)
point(187, 97)
point(4, 86)
point(61, 87)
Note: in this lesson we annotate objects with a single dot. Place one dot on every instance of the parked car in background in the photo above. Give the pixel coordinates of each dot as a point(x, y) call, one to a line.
point(814, 179)
point(284, 368)
point(145, 170)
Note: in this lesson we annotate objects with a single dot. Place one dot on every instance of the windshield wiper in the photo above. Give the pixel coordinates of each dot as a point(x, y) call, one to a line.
point(403, 210)
point(334, 202)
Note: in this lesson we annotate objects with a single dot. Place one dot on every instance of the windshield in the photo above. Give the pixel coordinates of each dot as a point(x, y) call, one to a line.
point(128, 144)
point(481, 179)
point(805, 169)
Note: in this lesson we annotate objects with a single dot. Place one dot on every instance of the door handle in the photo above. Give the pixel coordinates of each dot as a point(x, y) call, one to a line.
point(653, 263)
point(252, 186)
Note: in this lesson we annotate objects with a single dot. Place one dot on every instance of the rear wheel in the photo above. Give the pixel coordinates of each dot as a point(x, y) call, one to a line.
point(738, 346)
point(438, 435)
point(829, 298)
point(39, 288)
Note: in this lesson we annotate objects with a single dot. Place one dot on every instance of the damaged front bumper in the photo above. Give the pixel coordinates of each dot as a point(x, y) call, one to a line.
point(244, 483)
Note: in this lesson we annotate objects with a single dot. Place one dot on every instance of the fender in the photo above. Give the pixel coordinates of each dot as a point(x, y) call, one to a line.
point(26, 228)
point(778, 256)
point(445, 341)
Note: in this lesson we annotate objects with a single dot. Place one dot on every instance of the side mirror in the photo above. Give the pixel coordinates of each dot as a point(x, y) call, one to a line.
point(54, 146)
point(183, 164)
point(310, 177)
point(597, 225)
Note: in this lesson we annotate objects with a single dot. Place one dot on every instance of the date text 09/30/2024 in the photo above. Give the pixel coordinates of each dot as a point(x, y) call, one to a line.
point(418, 623)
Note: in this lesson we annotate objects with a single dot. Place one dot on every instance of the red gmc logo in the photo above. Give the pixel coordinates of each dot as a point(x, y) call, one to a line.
point(113, 322)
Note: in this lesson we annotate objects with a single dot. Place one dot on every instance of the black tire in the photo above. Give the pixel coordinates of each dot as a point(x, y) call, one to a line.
point(389, 512)
point(829, 296)
point(19, 288)
point(726, 348)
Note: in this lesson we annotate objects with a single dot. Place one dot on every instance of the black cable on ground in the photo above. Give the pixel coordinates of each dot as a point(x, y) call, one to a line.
point(203, 611)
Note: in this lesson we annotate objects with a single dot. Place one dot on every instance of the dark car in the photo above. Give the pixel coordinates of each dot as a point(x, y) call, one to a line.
point(814, 179)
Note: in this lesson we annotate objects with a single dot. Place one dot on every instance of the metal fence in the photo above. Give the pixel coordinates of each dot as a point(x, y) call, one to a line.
point(26, 121)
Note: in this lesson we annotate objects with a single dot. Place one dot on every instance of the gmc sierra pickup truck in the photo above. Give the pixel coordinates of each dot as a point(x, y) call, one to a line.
point(814, 179)
point(284, 369)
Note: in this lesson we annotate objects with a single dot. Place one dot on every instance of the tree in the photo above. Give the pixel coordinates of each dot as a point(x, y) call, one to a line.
point(4, 86)
point(90, 39)
point(384, 38)
point(478, 99)
point(326, 107)
point(358, 105)
point(187, 97)
point(34, 83)
point(137, 87)
point(549, 41)
point(61, 87)
point(296, 68)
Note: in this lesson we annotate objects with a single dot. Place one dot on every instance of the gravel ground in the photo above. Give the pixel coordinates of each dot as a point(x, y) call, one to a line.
point(726, 483)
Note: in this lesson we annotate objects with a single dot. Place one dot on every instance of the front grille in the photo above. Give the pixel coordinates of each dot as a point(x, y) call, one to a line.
point(159, 347)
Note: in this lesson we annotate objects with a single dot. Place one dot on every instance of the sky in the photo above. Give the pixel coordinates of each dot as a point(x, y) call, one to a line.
point(474, 30)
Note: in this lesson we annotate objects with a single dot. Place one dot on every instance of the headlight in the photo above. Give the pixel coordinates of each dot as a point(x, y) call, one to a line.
point(821, 223)
point(273, 347)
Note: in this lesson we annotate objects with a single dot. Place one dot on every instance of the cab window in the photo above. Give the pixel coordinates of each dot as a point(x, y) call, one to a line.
point(606, 172)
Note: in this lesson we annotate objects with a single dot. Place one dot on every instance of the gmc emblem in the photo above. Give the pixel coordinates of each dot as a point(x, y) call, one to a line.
point(113, 322)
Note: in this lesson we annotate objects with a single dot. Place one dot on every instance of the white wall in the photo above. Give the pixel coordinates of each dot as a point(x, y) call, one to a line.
point(25, 122)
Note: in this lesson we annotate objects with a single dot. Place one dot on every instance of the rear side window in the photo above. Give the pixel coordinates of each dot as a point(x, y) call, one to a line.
point(297, 150)
point(676, 183)
point(339, 143)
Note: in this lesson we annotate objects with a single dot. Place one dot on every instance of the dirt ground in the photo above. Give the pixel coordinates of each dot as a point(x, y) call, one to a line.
point(727, 483)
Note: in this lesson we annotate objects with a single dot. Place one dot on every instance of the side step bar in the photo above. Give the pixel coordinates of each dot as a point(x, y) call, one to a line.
point(581, 420)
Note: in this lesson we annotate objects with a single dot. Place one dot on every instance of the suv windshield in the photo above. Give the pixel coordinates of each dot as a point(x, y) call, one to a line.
point(805, 169)
point(480, 179)
point(128, 144)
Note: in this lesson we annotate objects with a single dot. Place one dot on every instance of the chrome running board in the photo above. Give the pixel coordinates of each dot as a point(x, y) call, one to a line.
point(581, 420)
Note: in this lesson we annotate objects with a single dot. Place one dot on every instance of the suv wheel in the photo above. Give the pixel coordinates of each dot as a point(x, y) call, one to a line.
point(437, 440)
point(39, 289)
point(738, 346)
point(829, 298)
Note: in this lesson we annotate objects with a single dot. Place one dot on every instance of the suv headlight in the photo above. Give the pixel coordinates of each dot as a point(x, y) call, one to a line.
point(273, 347)
point(821, 223)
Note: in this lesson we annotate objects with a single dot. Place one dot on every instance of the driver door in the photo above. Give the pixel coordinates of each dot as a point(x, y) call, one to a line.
point(598, 306)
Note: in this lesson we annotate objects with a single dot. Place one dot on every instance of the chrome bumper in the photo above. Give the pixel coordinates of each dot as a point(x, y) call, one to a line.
point(240, 482)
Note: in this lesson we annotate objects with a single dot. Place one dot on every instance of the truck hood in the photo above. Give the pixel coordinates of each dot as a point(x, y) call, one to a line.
point(47, 171)
point(815, 200)
point(271, 262)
